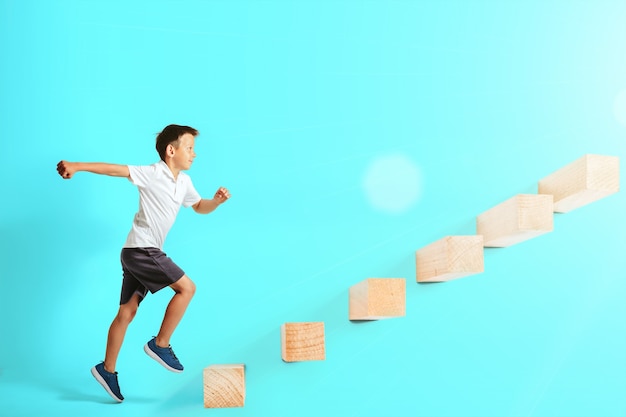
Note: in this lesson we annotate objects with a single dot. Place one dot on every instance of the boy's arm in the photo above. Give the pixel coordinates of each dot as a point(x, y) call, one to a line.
point(68, 169)
point(205, 206)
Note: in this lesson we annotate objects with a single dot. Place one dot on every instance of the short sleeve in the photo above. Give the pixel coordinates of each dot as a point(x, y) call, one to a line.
point(191, 196)
point(141, 175)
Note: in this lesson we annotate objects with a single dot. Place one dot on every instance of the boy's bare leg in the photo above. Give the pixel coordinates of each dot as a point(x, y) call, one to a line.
point(184, 289)
point(117, 331)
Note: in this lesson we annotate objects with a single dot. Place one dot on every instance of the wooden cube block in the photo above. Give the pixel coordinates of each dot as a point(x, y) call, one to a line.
point(224, 386)
point(584, 181)
point(450, 258)
point(302, 342)
point(518, 219)
point(378, 298)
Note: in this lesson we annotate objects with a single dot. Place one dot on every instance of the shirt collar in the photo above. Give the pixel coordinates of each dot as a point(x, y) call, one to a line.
point(163, 166)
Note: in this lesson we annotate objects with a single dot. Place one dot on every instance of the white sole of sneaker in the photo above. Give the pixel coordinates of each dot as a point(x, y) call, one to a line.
point(99, 378)
point(156, 357)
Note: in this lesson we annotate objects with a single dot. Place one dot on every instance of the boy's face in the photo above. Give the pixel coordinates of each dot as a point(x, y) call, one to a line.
point(183, 156)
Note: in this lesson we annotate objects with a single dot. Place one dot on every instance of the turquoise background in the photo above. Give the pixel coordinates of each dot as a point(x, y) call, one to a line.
point(472, 101)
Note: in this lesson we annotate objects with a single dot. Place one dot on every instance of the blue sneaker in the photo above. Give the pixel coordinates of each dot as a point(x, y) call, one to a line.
point(108, 380)
point(164, 356)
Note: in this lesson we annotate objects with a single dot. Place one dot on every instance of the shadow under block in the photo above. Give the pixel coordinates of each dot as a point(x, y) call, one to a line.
point(302, 341)
point(224, 386)
point(378, 298)
point(520, 218)
point(450, 258)
point(584, 181)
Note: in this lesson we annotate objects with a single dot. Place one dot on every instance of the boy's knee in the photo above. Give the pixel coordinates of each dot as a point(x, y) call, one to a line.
point(186, 287)
point(127, 315)
point(191, 288)
point(127, 312)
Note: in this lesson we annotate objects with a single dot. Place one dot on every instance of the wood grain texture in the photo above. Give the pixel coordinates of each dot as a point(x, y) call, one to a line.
point(520, 218)
point(377, 298)
point(450, 258)
point(584, 181)
point(302, 341)
point(224, 386)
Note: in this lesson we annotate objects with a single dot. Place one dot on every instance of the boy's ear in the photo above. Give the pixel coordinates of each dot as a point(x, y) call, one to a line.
point(170, 150)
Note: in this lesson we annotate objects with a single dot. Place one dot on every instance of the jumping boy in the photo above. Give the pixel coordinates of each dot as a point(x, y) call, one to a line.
point(163, 188)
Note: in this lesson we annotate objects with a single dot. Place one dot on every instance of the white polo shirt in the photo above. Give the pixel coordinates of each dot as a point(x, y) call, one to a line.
point(160, 198)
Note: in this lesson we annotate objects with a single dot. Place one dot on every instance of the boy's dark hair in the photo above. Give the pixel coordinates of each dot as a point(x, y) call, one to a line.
point(170, 135)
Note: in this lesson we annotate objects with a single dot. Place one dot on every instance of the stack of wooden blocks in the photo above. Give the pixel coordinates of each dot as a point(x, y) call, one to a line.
point(520, 218)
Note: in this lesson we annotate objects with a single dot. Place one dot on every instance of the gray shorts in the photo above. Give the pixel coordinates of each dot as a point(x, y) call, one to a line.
point(146, 269)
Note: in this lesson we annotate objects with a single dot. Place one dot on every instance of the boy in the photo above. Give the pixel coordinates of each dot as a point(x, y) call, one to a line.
point(163, 188)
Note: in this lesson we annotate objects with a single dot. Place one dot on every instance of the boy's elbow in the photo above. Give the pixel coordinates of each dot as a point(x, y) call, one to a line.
point(201, 207)
point(204, 207)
